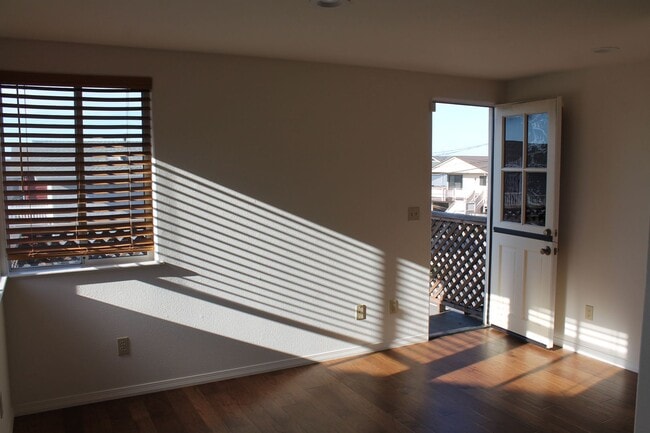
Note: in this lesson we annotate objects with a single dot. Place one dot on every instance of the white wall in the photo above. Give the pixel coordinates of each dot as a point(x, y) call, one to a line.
point(642, 421)
point(604, 207)
point(6, 422)
point(472, 183)
point(283, 193)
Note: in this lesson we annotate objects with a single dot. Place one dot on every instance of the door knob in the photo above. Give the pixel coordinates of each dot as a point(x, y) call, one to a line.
point(546, 251)
point(548, 232)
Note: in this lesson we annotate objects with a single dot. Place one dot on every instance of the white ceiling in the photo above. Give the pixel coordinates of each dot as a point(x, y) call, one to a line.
point(499, 39)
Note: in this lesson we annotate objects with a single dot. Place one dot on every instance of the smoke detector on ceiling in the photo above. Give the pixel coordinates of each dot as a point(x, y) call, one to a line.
point(330, 3)
point(606, 50)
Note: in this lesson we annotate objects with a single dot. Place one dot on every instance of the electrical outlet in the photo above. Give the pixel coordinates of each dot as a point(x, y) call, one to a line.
point(361, 312)
point(589, 312)
point(413, 213)
point(393, 306)
point(123, 346)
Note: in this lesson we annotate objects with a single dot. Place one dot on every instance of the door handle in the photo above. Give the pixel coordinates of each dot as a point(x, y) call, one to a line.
point(546, 251)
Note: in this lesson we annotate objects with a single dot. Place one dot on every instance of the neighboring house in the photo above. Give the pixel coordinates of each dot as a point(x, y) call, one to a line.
point(459, 184)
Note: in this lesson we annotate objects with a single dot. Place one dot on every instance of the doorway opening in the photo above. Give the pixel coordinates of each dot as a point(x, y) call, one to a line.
point(460, 182)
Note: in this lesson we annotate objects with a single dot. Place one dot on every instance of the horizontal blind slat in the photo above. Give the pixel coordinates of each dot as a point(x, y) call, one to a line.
point(98, 192)
point(30, 221)
point(65, 173)
point(55, 201)
point(35, 135)
point(70, 125)
point(73, 228)
point(89, 166)
point(30, 106)
point(56, 117)
point(122, 208)
point(96, 154)
point(88, 249)
point(73, 237)
point(88, 146)
point(56, 95)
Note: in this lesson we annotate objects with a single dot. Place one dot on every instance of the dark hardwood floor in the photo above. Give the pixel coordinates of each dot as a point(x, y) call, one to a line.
point(478, 381)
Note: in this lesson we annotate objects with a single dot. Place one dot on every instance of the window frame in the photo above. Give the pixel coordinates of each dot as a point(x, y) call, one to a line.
point(88, 83)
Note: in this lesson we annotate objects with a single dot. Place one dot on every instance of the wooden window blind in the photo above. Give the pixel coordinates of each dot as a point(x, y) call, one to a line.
point(76, 167)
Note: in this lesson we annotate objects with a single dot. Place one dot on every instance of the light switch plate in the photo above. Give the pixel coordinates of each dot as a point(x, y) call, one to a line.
point(361, 312)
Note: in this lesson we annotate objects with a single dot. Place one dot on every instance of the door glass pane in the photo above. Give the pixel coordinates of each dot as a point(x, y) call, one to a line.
point(514, 141)
point(536, 199)
point(537, 140)
point(512, 196)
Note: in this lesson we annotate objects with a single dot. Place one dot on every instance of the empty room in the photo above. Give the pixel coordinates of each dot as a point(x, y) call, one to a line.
point(217, 216)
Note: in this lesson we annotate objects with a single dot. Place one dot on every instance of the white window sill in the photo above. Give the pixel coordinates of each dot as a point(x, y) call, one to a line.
point(75, 269)
point(3, 283)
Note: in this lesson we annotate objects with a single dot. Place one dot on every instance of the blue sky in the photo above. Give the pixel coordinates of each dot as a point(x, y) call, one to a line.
point(460, 130)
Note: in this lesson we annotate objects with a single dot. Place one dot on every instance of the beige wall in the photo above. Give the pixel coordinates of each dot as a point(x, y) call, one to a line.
point(642, 421)
point(283, 192)
point(6, 423)
point(605, 205)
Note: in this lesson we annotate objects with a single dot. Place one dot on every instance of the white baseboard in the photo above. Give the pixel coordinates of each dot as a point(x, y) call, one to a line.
point(167, 384)
point(595, 353)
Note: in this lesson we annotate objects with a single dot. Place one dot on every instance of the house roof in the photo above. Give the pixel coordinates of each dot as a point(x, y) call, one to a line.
point(497, 39)
point(461, 164)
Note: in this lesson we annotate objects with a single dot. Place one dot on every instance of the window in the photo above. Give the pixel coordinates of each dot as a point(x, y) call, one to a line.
point(455, 181)
point(76, 168)
point(482, 180)
point(438, 180)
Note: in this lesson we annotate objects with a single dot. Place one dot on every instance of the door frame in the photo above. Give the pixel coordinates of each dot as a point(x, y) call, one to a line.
point(490, 186)
point(490, 221)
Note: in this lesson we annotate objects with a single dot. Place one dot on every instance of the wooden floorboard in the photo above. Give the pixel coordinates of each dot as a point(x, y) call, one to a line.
point(480, 381)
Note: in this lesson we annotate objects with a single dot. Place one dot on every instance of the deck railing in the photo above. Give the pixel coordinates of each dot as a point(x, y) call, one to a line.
point(458, 249)
point(445, 193)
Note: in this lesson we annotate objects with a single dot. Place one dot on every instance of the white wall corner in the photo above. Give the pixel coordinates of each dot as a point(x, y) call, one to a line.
point(7, 420)
point(642, 419)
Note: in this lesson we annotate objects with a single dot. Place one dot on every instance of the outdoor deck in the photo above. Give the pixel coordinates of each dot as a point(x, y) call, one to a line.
point(451, 321)
point(458, 249)
point(457, 274)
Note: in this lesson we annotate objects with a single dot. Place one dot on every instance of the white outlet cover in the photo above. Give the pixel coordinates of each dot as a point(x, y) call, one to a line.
point(413, 213)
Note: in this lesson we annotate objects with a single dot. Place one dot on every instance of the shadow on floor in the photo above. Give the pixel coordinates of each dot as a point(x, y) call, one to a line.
point(450, 322)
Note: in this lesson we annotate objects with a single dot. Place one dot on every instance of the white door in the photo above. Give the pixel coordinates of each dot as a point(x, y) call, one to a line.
point(526, 174)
